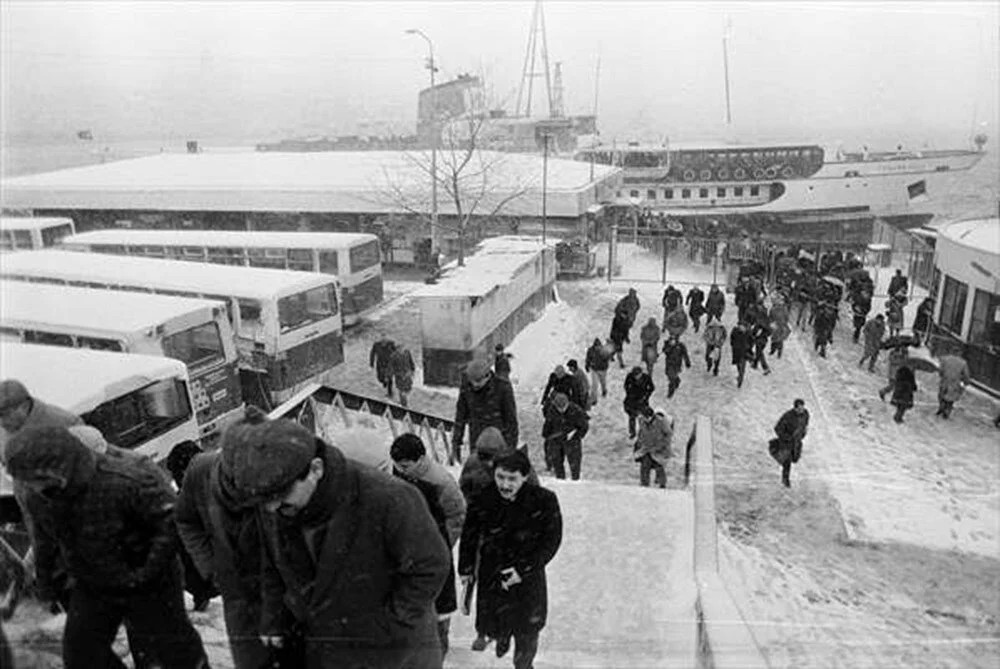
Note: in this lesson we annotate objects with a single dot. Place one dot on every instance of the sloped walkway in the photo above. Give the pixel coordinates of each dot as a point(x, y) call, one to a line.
point(621, 588)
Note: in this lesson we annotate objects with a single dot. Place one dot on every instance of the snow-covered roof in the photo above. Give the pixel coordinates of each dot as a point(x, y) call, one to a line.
point(30, 223)
point(294, 240)
point(204, 278)
point(80, 379)
point(982, 234)
point(327, 181)
point(494, 262)
point(92, 309)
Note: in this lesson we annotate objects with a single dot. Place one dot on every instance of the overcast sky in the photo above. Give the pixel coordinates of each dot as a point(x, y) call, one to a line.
point(266, 70)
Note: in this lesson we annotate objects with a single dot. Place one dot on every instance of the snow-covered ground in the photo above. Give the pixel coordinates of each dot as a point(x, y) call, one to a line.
point(885, 552)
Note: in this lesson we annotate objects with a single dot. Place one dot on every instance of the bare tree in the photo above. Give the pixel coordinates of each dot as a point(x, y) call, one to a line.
point(476, 183)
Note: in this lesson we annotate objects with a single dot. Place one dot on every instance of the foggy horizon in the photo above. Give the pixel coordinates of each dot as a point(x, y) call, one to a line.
point(264, 71)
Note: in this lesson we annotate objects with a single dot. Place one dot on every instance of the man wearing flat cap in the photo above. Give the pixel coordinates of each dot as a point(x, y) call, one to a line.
point(485, 400)
point(352, 558)
point(110, 519)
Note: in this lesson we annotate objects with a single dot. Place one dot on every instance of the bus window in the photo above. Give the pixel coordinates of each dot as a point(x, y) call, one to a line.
point(301, 309)
point(225, 255)
point(99, 344)
point(195, 253)
point(364, 256)
point(300, 259)
point(22, 239)
point(51, 236)
point(267, 258)
point(116, 249)
point(143, 415)
point(195, 346)
point(47, 338)
point(250, 311)
point(153, 252)
point(328, 262)
point(6, 240)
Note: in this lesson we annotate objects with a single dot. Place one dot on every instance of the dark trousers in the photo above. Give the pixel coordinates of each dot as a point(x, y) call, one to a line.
point(944, 408)
point(871, 358)
point(777, 348)
point(859, 322)
point(646, 465)
point(712, 365)
point(696, 321)
point(385, 378)
point(525, 649)
point(202, 589)
point(741, 371)
point(160, 634)
point(562, 451)
point(802, 314)
point(786, 471)
point(631, 425)
point(673, 381)
point(900, 412)
point(759, 358)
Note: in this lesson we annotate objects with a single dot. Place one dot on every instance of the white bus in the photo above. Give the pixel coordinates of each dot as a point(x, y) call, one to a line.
point(194, 331)
point(22, 233)
point(352, 257)
point(138, 402)
point(289, 331)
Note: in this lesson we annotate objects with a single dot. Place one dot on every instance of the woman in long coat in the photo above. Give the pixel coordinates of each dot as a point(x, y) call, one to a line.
point(902, 392)
point(954, 376)
point(523, 534)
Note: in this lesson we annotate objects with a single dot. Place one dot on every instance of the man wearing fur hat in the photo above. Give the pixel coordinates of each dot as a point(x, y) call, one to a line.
point(352, 557)
point(484, 400)
point(111, 521)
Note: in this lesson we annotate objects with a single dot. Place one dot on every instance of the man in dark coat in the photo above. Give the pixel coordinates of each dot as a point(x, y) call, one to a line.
point(629, 306)
point(597, 364)
point(741, 344)
point(675, 355)
point(352, 557)
point(903, 389)
point(582, 385)
point(512, 531)
point(804, 296)
point(218, 526)
point(898, 285)
point(483, 400)
point(696, 307)
point(823, 324)
point(565, 426)
point(638, 389)
point(402, 368)
point(860, 306)
point(791, 430)
point(922, 321)
point(111, 520)
point(715, 303)
point(379, 357)
point(561, 381)
point(873, 331)
point(619, 335)
point(760, 332)
point(672, 299)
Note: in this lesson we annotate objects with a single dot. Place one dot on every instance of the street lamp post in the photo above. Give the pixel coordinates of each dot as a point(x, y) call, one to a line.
point(434, 142)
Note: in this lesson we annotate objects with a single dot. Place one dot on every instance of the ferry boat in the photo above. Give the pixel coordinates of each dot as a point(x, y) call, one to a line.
point(791, 181)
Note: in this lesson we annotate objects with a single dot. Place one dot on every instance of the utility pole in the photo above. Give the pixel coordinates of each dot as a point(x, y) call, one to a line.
point(435, 138)
point(545, 184)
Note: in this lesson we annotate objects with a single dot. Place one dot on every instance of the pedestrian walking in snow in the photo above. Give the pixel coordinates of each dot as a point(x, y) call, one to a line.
point(484, 400)
point(352, 560)
point(379, 357)
point(560, 381)
point(583, 390)
point(873, 332)
point(111, 519)
point(897, 358)
point(629, 306)
point(696, 306)
point(823, 323)
point(402, 368)
point(501, 362)
point(672, 299)
point(780, 329)
point(715, 339)
point(650, 338)
point(638, 389)
point(760, 332)
point(653, 445)
point(566, 424)
point(512, 531)
point(676, 322)
point(477, 470)
point(619, 335)
point(953, 373)
point(894, 316)
point(447, 506)
point(715, 302)
point(902, 392)
point(899, 285)
point(922, 321)
point(741, 344)
point(860, 306)
point(675, 354)
point(598, 357)
point(805, 299)
point(791, 430)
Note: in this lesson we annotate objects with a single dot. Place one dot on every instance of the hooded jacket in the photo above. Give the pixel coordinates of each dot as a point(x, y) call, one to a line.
point(638, 389)
point(656, 433)
point(715, 334)
point(112, 519)
point(492, 405)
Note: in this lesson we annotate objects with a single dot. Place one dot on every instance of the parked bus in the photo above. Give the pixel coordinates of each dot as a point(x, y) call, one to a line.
point(194, 331)
point(288, 327)
point(354, 258)
point(22, 233)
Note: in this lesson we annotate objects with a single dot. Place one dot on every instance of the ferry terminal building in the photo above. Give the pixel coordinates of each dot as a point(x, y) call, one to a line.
point(383, 192)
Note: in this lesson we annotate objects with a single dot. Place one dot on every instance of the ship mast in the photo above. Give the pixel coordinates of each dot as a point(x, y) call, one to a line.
point(529, 72)
point(725, 67)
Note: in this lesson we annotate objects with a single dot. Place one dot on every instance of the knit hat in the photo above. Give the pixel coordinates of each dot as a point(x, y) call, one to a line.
point(477, 371)
point(491, 442)
point(53, 453)
point(263, 459)
point(12, 393)
point(90, 437)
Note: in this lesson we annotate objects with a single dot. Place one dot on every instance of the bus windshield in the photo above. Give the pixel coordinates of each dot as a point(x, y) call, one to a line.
point(142, 415)
point(195, 347)
point(364, 256)
point(301, 309)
